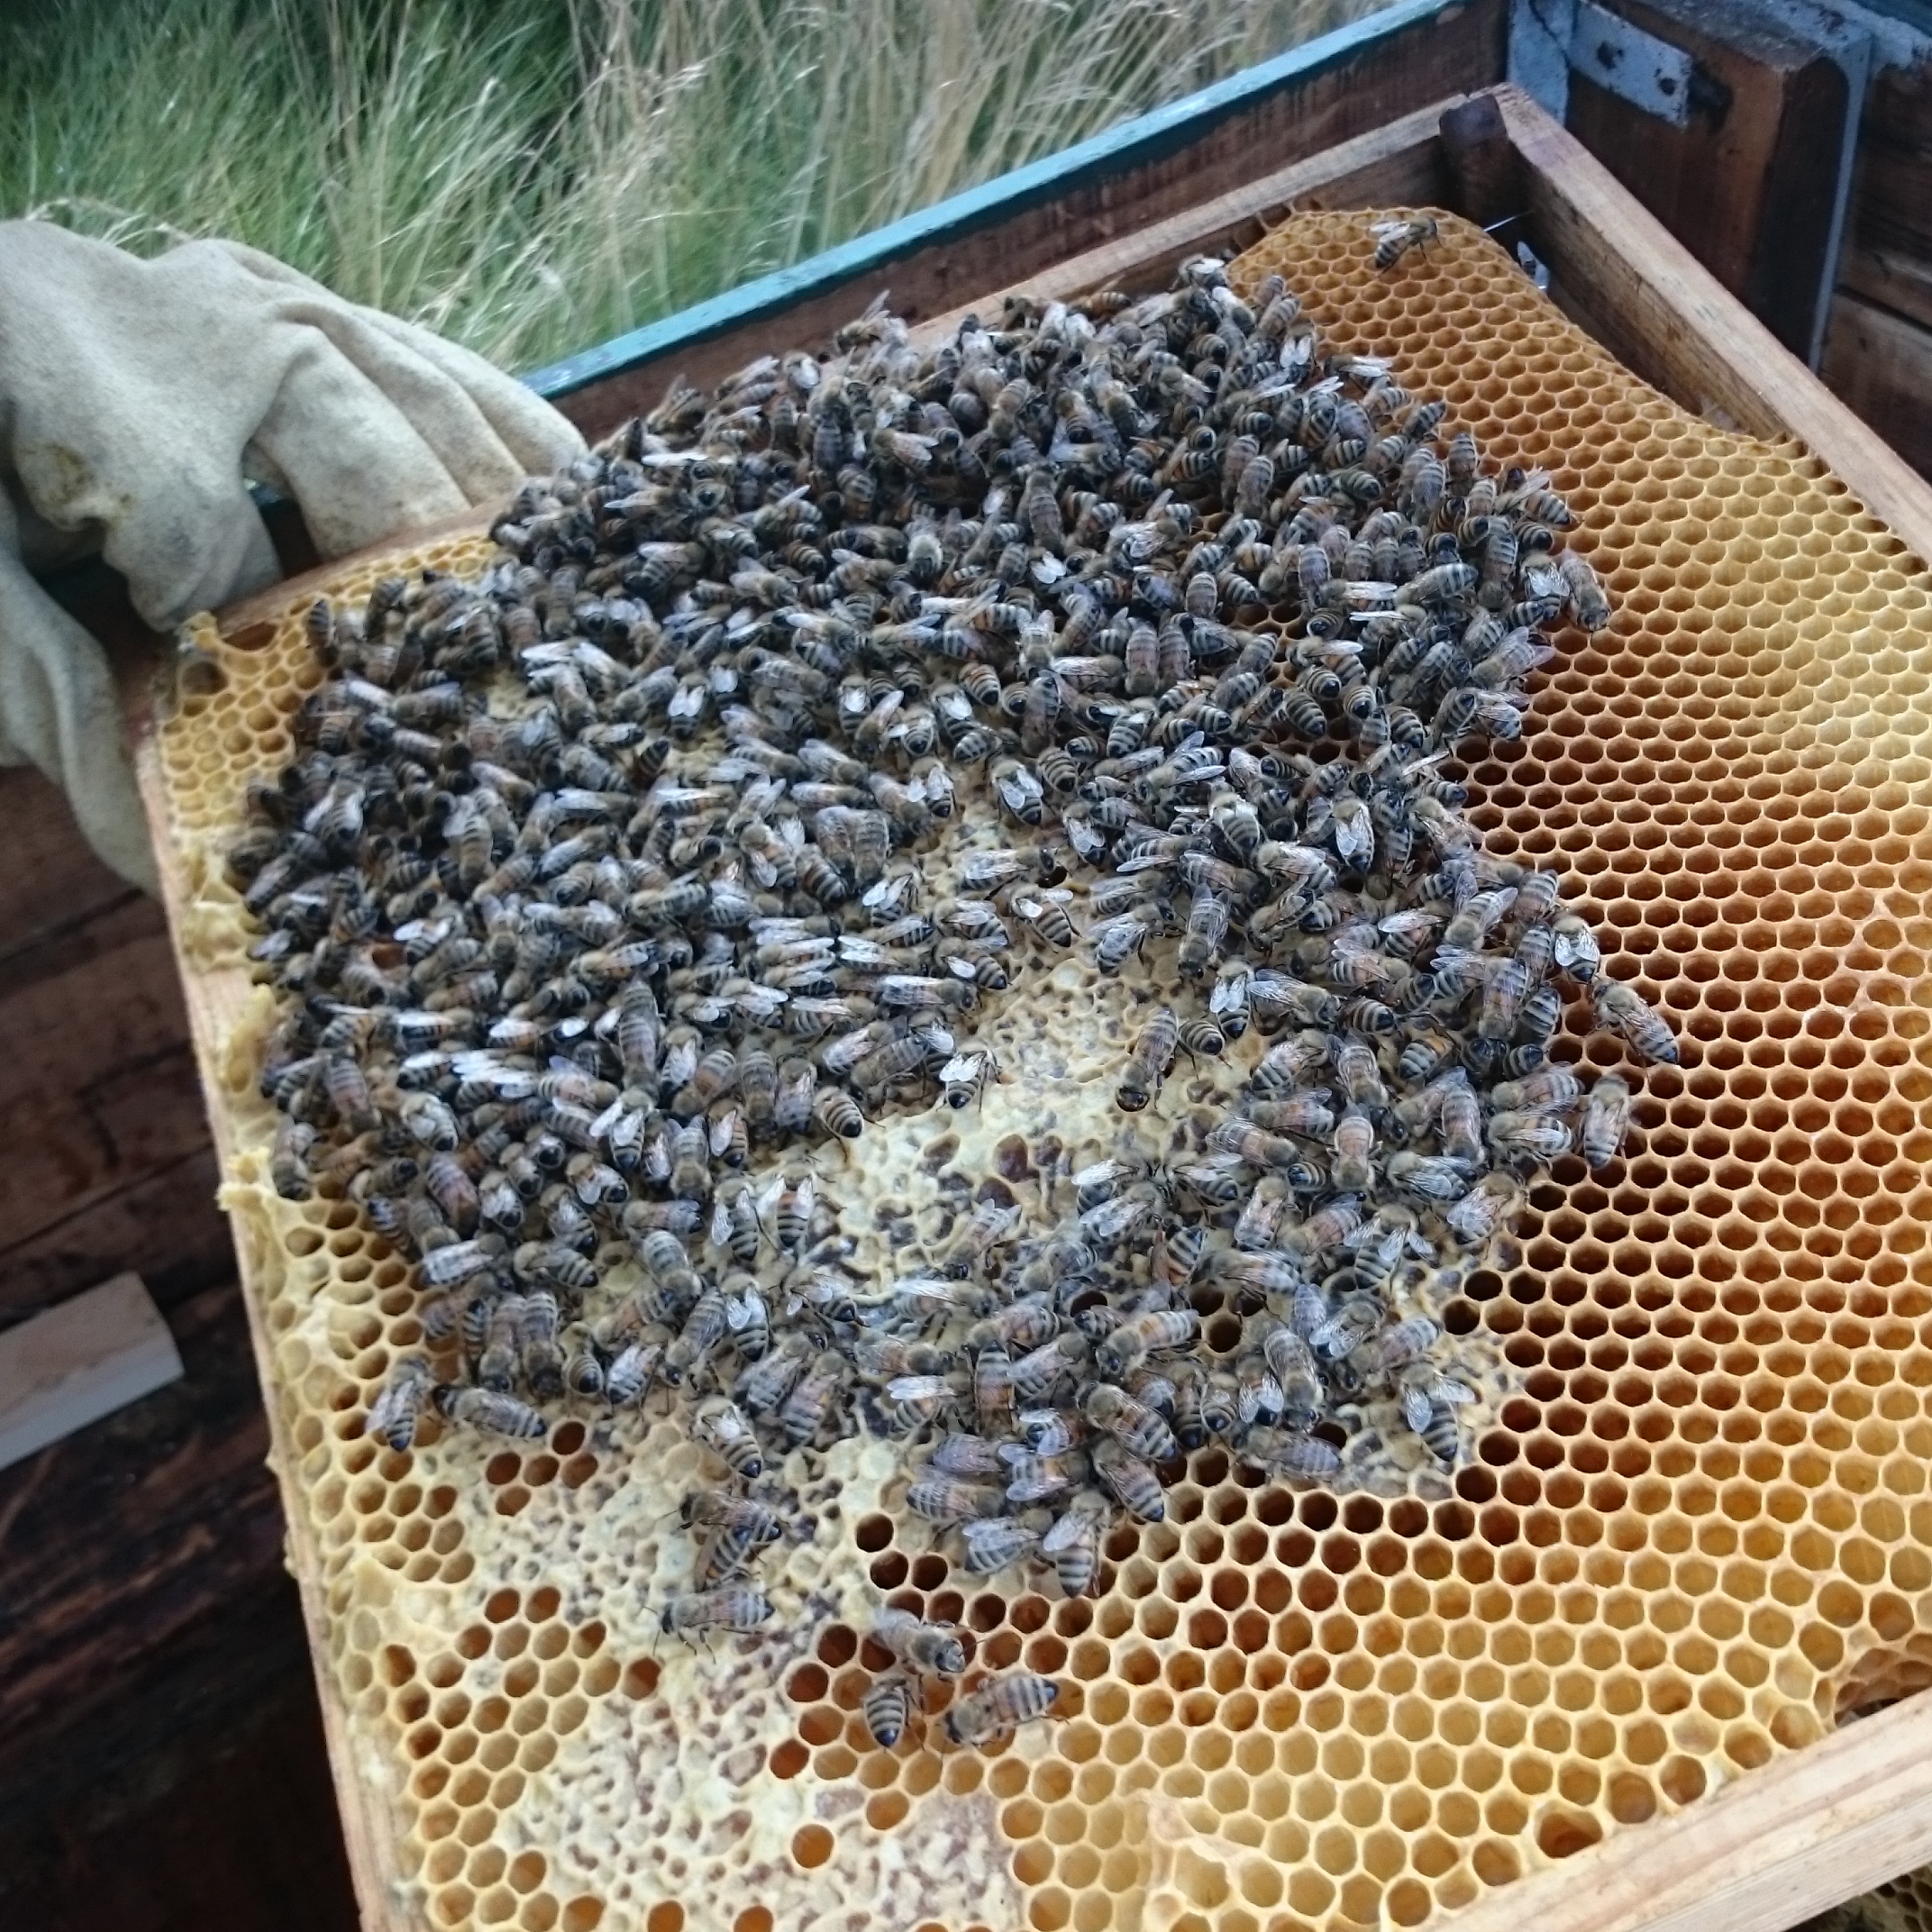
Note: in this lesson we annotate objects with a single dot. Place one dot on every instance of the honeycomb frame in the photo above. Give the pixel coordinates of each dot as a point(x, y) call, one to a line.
point(1696, 1534)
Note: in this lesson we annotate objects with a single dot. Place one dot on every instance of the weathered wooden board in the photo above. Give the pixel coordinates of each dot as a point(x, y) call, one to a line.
point(1887, 243)
point(1880, 363)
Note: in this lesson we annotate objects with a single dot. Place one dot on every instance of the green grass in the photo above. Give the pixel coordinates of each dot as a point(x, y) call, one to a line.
point(534, 175)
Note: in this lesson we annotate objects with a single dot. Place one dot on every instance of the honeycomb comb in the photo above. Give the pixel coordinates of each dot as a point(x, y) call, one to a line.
point(1695, 1534)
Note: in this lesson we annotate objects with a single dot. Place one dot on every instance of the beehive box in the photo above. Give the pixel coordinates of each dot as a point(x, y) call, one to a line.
point(1695, 1534)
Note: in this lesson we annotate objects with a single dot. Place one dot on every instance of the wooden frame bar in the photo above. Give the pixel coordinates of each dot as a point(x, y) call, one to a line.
point(1825, 1822)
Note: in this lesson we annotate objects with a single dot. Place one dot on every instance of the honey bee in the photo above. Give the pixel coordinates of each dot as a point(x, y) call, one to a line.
point(719, 1426)
point(1588, 604)
point(462, 1261)
point(1354, 1142)
point(1248, 1142)
point(734, 1608)
point(1118, 939)
point(737, 1528)
point(1428, 1176)
point(1440, 1435)
point(1423, 1050)
point(1606, 1119)
point(490, 1411)
point(1036, 1374)
point(805, 1411)
point(1486, 1206)
point(398, 1405)
point(887, 1705)
point(992, 1543)
point(965, 1076)
point(1032, 1477)
point(1072, 1544)
point(288, 1160)
point(998, 1708)
point(838, 1112)
point(539, 1358)
point(1575, 949)
point(1545, 1087)
point(764, 1383)
point(1142, 1334)
point(1260, 1214)
point(992, 1386)
point(584, 1367)
point(1151, 1055)
point(1287, 1452)
point(1621, 1011)
point(967, 1455)
point(990, 1224)
point(927, 1650)
point(1143, 1430)
point(1019, 790)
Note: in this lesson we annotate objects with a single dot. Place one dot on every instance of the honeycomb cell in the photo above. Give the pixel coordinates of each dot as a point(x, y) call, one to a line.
point(1696, 1515)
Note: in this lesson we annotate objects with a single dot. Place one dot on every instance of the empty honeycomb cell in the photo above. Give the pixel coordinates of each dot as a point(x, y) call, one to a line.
point(1696, 1515)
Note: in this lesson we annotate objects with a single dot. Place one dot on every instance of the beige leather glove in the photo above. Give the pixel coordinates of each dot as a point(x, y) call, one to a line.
point(135, 398)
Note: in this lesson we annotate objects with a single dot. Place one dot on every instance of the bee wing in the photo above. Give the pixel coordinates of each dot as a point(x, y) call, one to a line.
point(1068, 1532)
point(916, 1388)
point(1417, 1409)
point(1445, 1388)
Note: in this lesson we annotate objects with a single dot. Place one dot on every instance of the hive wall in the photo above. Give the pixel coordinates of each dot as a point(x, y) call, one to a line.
point(1695, 1531)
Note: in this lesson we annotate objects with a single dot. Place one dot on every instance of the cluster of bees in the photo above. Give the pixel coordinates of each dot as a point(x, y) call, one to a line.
point(600, 888)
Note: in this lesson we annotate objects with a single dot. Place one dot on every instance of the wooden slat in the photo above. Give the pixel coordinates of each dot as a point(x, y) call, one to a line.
point(111, 1163)
point(1397, 166)
point(1648, 299)
point(1788, 1839)
point(1347, 84)
point(1888, 248)
point(51, 884)
point(114, 1541)
point(97, 1083)
point(1881, 365)
point(165, 1217)
point(197, 1800)
point(97, 1352)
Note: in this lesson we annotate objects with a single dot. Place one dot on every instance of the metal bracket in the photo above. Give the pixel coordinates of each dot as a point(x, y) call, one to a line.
point(1635, 66)
point(1551, 39)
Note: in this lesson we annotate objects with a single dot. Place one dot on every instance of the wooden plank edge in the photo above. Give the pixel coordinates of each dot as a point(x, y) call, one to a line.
point(369, 1825)
point(1784, 1841)
point(1750, 373)
point(1403, 149)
